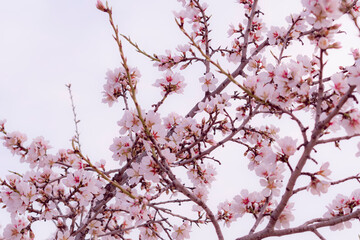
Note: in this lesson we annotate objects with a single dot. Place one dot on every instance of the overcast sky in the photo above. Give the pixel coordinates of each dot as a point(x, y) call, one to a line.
point(45, 44)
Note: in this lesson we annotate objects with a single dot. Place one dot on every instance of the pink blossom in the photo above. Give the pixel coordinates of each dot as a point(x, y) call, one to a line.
point(129, 122)
point(16, 230)
point(354, 74)
point(324, 170)
point(343, 205)
point(168, 61)
point(285, 217)
point(225, 213)
point(14, 141)
point(64, 236)
point(209, 82)
point(183, 48)
point(317, 187)
point(121, 148)
point(171, 83)
point(351, 121)
point(37, 152)
point(117, 84)
point(181, 232)
point(355, 53)
point(202, 174)
point(201, 192)
point(323, 43)
point(276, 35)
point(287, 145)
point(358, 153)
point(134, 173)
point(150, 233)
point(340, 84)
point(149, 169)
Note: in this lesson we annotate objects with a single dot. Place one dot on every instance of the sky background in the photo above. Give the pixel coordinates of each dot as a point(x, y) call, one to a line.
point(45, 44)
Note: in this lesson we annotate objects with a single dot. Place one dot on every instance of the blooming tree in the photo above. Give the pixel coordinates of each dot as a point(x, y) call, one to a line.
point(167, 162)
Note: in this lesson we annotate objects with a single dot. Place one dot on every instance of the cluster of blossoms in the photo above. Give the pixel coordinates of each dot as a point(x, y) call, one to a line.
point(37, 194)
point(255, 34)
point(341, 206)
point(253, 203)
point(193, 12)
point(171, 83)
point(170, 160)
point(280, 36)
point(317, 186)
point(117, 84)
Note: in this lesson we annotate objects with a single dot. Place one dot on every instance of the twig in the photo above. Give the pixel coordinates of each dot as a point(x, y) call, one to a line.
point(76, 121)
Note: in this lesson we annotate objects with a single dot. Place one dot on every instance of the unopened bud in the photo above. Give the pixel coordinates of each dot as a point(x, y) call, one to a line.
point(335, 45)
point(100, 6)
point(335, 27)
point(323, 43)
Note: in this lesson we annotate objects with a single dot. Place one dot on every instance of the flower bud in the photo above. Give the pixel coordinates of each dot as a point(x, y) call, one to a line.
point(100, 6)
point(323, 43)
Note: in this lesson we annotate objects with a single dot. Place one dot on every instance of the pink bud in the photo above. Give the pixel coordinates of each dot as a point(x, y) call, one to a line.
point(100, 6)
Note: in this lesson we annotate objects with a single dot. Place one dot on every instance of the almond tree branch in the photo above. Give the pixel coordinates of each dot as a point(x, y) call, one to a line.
point(76, 121)
point(356, 177)
point(223, 141)
point(322, 222)
point(337, 139)
point(301, 163)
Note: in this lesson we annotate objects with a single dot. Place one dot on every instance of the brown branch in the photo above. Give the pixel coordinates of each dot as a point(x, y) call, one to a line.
point(322, 222)
point(337, 139)
point(356, 177)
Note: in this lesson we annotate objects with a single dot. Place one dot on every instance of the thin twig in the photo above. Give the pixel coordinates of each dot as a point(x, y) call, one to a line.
point(76, 121)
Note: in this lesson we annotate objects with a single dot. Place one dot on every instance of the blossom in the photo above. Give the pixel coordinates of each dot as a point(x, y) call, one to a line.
point(285, 217)
point(37, 151)
point(201, 192)
point(14, 141)
point(247, 202)
point(183, 48)
point(202, 174)
point(351, 121)
point(354, 74)
point(324, 170)
point(134, 173)
point(225, 213)
point(321, 13)
point(118, 83)
point(129, 122)
point(340, 84)
point(355, 53)
point(276, 35)
point(209, 82)
point(287, 145)
point(149, 169)
point(168, 61)
point(343, 205)
point(358, 153)
point(181, 232)
point(323, 43)
point(171, 83)
point(121, 148)
point(16, 230)
point(317, 187)
point(64, 236)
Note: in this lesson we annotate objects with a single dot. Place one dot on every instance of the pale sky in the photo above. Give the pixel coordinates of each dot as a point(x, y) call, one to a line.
point(45, 44)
